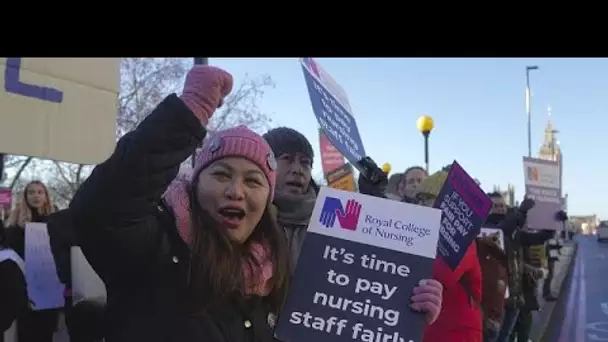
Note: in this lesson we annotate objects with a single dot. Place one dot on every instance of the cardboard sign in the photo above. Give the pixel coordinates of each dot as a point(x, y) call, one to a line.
point(331, 158)
point(43, 285)
point(361, 259)
point(9, 254)
point(6, 197)
point(335, 119)
point(6, 200)
point(465, 208)
point(59, 108)
point(342, 178)
point(346, 183)
point(86, 284)
point(543, 185)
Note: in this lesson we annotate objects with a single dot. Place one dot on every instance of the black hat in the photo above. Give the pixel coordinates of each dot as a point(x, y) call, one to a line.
point(284, 140)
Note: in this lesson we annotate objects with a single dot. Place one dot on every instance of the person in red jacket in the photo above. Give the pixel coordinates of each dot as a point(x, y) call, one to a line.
point(460, 319)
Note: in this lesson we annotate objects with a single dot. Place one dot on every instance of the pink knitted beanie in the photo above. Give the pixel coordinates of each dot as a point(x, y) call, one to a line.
point(235, 142)
point(239, 142)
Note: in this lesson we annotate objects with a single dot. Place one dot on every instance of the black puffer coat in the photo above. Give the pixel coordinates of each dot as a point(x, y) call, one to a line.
point(13, 290)
point(129, 237)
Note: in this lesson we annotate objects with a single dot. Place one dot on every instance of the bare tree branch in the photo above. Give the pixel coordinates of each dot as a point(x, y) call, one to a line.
point(144, 83)
point(20, 171)
point(241, 107)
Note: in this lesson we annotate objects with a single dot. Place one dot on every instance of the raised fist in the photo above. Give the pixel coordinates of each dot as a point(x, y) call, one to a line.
point(205, 89)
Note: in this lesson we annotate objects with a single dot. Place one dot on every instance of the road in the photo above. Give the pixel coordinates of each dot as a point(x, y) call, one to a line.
point(581, 313)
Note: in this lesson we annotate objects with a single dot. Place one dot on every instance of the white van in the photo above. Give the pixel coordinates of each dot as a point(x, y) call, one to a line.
point(602, 231)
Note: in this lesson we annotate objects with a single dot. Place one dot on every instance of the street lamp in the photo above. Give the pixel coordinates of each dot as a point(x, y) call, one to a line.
point(425, 125)
point(528, 110)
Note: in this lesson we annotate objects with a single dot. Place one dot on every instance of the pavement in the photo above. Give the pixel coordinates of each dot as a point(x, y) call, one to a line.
point(581, 313)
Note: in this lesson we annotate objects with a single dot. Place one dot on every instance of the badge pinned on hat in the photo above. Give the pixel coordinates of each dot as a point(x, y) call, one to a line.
point(215, 144)
point(272, 161)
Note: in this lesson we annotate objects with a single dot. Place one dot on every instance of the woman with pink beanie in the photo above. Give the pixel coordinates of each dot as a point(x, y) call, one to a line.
point(197, 257)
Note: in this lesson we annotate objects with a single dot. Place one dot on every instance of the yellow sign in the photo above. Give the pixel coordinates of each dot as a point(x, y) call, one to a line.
point(59, 108)
point(346, 183)
point(342, 178)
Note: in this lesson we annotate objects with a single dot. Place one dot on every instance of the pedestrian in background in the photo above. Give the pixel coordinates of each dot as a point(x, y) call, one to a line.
point(34, 205)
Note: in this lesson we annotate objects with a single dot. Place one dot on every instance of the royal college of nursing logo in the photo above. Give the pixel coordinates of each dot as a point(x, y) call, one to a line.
point(348, 217)
point(533, 174)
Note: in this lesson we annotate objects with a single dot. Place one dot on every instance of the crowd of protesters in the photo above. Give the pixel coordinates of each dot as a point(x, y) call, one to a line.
point(207, 254)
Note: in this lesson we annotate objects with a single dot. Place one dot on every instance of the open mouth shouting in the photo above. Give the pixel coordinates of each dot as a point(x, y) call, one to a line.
point(232, 216)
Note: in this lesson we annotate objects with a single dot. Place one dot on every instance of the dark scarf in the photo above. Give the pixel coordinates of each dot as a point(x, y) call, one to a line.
point(295, 209)
point(494, 220)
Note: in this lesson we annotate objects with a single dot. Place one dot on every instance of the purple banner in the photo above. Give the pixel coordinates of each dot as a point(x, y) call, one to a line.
point(543, 185)
point(12, 84)
point(464, 208)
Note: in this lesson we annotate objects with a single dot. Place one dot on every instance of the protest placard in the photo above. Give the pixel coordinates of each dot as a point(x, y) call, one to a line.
point(333, 115)
point(331, 158)
point(9, 254)
point(543, 185)
point(360, 261)
point(86, 283)
point(59, 108)
point(342, 178)
point(6, 199)
point(43, 285)
point(465, 208)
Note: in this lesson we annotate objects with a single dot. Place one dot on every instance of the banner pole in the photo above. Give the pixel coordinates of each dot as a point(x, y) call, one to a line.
point(198, 61)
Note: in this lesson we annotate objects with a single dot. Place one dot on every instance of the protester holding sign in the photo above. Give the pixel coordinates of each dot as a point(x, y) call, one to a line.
point(34, 205)
point(295, 194)
point(511, 221)
point(295, 198)
point(410, 181)
point(206, 261)
point(460, 317)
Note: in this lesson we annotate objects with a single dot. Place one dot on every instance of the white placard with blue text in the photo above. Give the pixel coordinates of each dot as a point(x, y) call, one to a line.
point(43, 285)
point(333, 113)
point(360, 261)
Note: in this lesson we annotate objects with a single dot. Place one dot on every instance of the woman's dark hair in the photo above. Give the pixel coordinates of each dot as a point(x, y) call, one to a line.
point(413, 168)
point(217, 263)
point(494, 194)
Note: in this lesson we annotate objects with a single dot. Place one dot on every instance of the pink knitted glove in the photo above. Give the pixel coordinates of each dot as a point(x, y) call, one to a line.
point(427, 298)
point(204, 90)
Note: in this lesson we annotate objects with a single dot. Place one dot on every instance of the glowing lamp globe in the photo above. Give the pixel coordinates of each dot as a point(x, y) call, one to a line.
point(425, 124)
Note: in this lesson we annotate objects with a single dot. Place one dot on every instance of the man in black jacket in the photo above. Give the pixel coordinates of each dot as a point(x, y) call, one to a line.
point(511, 223)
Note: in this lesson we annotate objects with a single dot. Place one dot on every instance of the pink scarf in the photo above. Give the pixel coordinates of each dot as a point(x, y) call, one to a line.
point(256, 281)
